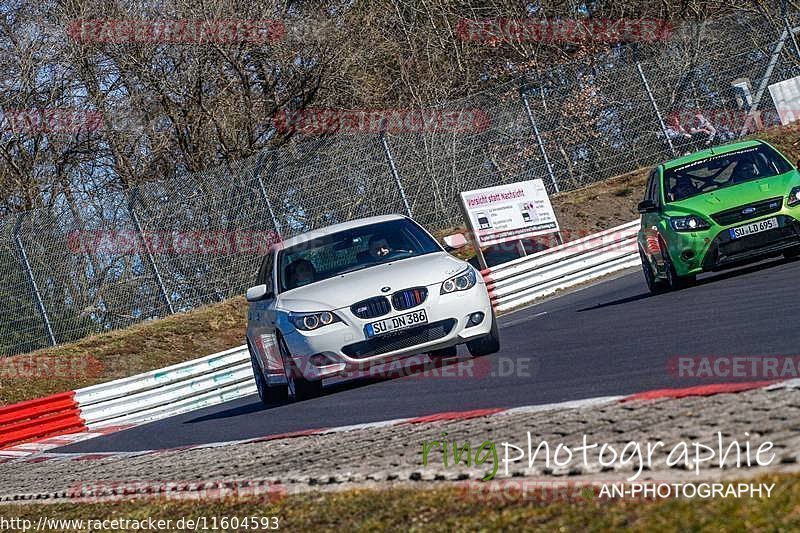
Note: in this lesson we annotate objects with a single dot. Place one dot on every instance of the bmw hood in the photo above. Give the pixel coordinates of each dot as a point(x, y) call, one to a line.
point(346, 289)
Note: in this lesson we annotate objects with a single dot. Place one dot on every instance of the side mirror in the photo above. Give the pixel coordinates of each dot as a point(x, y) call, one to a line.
point(456, 241)
point(258, 293)
point(647, 206)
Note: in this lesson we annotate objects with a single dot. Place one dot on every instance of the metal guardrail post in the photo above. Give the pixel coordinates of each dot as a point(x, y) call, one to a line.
point(263, 190)
point(655, 106)
point(539, 140)
point(393, 168)
point(148, 252)
point(35, 288)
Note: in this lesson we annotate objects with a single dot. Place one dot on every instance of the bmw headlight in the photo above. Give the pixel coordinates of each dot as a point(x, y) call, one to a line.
point(688, 223)
point(462, 281)
point(312, 321)
point(794, 197)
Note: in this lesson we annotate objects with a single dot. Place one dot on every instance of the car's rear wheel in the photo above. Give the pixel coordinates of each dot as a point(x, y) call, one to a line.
point(268, 394)
point(298, 387)
point(488, 344)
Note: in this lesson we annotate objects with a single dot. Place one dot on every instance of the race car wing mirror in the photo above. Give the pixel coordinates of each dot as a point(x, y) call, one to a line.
point(456, 241)
point(258, 293)
point(647, 206)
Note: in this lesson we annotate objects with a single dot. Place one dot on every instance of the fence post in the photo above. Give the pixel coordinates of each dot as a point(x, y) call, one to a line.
point(776, 53)
point(148, 252)
point(655, 106)
point(29, 272)
point(788, 28)
point(263, 191)
point(393, 168)
point(539, 140)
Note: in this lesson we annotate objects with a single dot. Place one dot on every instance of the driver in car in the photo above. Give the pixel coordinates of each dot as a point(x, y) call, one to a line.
point(379, 247)
point(683, 188)
point(300, 272)
point(746, 170)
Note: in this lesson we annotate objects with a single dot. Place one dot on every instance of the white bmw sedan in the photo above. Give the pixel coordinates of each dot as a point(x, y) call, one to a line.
point(351, 296)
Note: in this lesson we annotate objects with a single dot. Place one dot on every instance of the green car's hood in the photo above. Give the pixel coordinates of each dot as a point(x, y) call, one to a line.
point(736, 195)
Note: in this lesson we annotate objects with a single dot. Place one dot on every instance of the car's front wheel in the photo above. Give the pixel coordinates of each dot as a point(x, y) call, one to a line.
point(488, 344)
point(655, 286)
point(268, 394)
point(674, 281)
point(298, 387)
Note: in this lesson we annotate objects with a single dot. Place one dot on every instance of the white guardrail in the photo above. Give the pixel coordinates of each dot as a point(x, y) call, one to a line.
point(227, 375)
point(168, 391)
point(534, 276)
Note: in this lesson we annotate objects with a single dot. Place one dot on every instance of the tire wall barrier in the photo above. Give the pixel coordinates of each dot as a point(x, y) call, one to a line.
point(53, 415)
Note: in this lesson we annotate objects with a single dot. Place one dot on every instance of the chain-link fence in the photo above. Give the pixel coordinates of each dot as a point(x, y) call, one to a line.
point(104, 260)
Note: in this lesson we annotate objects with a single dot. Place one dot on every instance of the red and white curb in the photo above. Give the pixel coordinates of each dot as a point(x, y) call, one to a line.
point(28, 453)
point(36, 447)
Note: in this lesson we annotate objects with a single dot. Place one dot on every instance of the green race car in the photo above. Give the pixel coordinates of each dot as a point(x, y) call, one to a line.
point(718, 208)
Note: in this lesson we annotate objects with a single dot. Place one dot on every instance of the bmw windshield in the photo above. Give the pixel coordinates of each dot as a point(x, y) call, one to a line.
point(722, 170)
point(351, 250)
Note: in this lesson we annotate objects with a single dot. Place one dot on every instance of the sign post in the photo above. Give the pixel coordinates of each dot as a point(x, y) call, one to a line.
point(510, 212)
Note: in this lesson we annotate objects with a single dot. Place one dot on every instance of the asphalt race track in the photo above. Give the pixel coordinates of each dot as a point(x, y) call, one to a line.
point(612, 338)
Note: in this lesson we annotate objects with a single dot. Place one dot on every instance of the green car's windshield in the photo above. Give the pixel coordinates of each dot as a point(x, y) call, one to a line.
point(722, 170)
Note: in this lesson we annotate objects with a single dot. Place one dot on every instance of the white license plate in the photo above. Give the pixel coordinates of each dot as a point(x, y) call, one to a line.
point(753, 227)
point(387, 325)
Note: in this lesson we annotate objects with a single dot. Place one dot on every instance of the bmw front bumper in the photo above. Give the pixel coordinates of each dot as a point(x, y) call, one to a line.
point(345, 348)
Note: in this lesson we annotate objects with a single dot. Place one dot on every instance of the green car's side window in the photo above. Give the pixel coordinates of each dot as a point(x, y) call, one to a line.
point(652, 192)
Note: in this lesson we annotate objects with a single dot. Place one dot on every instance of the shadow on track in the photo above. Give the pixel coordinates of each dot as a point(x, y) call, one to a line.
point(712, 278)
point(339, 386)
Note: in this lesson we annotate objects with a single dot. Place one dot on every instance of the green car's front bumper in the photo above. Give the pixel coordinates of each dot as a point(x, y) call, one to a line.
point(714, 249)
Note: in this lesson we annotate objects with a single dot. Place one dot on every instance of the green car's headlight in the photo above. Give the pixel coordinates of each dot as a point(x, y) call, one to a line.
point(794, 197)
point(688, 223)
